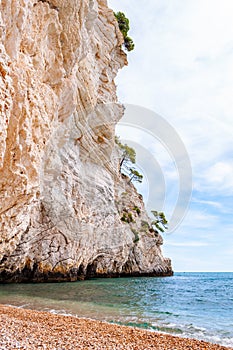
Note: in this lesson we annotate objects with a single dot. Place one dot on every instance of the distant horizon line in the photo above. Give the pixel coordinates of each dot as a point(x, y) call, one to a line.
point(203, 271)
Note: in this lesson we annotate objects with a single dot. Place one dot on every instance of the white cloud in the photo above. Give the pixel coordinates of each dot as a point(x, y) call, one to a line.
point(187, 244)
point(205, 202)
point(199, 220)
point(220, 176)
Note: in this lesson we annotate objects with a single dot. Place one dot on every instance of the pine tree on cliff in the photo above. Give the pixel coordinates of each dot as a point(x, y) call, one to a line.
point(123, 23)
point(128, 157)
point(160, 221)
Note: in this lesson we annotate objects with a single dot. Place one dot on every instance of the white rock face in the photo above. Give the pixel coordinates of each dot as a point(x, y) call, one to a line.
point(61, 195)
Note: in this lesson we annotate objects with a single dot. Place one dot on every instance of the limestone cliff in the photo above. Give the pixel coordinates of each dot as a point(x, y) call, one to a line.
point(62, 198)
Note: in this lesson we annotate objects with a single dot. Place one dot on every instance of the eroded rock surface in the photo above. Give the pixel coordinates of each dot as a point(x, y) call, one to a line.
point(62, 197)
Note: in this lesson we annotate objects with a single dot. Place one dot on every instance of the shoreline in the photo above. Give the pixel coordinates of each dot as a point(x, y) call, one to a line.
point(29, 329)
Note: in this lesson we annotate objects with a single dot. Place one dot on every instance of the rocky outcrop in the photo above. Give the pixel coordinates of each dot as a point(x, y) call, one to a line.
point(62, 199)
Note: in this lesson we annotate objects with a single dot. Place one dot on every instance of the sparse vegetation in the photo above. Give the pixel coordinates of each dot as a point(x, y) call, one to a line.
point(135, 175)
point(160, 221)
point(130, 217)
point(127, 217)
point(138, 210)
point(124, 194)
point(129, 44)
point(123, 23)
point(124, 218)
point(128, 157)
point(128, 154)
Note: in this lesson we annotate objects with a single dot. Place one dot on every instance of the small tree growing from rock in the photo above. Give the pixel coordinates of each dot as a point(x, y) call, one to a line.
point(128, 154)
point(135, 175)
point(128, 157)
point(160, 221)
point(123, 23)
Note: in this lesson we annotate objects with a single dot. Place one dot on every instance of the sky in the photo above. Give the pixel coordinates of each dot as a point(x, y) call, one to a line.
point(182, 70)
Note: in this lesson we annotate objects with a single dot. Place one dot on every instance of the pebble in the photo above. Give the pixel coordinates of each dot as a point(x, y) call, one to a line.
point(27, 329)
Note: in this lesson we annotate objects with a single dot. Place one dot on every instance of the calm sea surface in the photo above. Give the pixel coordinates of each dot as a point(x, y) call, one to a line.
point(197, 305)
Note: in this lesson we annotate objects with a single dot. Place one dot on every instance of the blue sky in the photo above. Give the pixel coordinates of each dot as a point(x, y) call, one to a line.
point(182, 69)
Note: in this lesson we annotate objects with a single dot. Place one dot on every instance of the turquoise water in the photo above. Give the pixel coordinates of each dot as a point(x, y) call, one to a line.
point(197, 305)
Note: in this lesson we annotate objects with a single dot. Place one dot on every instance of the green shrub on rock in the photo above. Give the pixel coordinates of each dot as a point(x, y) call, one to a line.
point(129, 44)
point(123, 23)
point(138, 210)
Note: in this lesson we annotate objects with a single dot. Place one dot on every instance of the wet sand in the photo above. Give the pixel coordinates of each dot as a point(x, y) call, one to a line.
point(27, 329)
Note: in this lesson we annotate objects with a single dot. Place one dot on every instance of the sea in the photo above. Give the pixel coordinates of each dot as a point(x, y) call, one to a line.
point(193, 305)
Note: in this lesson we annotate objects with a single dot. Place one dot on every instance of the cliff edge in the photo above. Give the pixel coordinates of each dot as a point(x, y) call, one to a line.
point(62, 197)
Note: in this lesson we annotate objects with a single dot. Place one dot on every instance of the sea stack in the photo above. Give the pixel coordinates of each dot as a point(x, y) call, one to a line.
point(62, 197)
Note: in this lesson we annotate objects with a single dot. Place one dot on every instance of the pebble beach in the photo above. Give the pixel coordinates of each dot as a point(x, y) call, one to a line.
point(27, 329)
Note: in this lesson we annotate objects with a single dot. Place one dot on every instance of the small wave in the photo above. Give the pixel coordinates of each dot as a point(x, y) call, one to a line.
point(144, 325)
point(170, 330)
point(191, 331)
point(225, 341)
